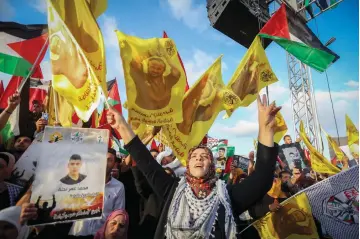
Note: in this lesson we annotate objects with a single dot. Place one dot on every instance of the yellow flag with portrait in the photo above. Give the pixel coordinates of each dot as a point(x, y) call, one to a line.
point(77, 55)
point(253, 73)
point(154, 79)
point(318, 162)
point(200, 107)
point(293, 220)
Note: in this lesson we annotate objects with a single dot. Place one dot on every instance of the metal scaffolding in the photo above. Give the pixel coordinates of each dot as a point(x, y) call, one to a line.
point(303, 102)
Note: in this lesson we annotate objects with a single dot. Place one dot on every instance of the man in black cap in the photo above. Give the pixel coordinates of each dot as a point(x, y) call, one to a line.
point(74, 176)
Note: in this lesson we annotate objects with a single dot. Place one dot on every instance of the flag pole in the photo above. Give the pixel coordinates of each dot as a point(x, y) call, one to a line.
point(55, 105)
point(34, 65)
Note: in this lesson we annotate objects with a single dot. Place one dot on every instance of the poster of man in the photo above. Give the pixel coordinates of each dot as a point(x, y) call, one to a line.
point(155, 78)
point(70, 175)
point(74, 176)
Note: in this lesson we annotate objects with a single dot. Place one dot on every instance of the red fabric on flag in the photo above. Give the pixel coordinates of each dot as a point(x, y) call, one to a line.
point(75, 119)
point(30, 49)
point(277, 25)
point(334, 161)
point(10, 90)
point(153, 145)
point(307, 156)
point(114, 95)
point(1, 88)
point(36, 94)
point(228, 165)
point(112, 132)
point(182, 65)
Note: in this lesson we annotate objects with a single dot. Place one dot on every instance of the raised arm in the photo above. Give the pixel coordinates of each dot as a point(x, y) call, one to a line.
point(54, 203)
point(158, 179)
point(255, 186)
point(13, 102)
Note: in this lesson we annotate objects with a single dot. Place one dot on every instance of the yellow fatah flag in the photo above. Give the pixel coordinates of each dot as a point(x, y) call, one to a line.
point(253, 73)
point(318, 162)
point(280, 127)
point(77, 55)
point(293, 220)
point(97, 7)
point(353, 136)
point(64, 109)
point(154, 79)
point(340, 155)
point(200, 107)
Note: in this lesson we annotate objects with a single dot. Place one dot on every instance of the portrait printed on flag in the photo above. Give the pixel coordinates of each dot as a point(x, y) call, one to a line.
point(154, 77)
point(293, 220)
point(70, 175)
point(77, 55)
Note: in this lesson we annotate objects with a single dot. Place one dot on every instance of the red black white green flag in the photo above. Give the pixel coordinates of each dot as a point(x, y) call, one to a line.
point(20, 46)
point(291, 33)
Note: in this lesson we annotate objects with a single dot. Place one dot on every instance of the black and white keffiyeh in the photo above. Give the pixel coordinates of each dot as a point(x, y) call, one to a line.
point(193, 218)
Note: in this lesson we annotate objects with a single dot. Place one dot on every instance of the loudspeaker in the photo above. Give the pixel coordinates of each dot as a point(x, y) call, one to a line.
point(239, 19)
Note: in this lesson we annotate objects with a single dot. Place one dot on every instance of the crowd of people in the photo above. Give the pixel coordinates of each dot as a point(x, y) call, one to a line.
point(150, 194)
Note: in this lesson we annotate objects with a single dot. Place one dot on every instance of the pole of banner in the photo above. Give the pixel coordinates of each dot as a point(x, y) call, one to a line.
point(55, 104)
point(34, 65)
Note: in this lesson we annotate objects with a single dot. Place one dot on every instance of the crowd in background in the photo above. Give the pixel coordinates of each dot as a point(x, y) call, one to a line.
point(150, 194)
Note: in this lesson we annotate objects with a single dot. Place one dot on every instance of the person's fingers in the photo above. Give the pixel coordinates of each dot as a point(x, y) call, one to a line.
point(259, 101)
point(264, 100)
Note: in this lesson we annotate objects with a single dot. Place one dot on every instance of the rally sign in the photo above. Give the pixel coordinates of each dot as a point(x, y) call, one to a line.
point(70, 175)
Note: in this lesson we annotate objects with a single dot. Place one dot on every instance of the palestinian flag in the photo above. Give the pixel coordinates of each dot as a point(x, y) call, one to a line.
point(113, 100)
point(18, 122)
point(20, 46)
point(291, 33)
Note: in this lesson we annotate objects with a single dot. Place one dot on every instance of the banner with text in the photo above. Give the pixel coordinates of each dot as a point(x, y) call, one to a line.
point(70, 175)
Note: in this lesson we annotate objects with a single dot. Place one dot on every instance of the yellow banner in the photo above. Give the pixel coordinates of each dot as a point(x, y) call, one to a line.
point(353, 137)
point(253, 73)
point(200, 106)
point(293, 220)
point(280, 127)
point(154, 78)
point(318, 162)
point(340, 155)
point(64, 109)
point(77, 55)
point(275, 191)
point(98, 7)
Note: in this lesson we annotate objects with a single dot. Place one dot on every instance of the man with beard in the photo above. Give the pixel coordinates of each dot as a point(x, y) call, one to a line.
point(153, 87)
point(292, 154)
point(22, 142)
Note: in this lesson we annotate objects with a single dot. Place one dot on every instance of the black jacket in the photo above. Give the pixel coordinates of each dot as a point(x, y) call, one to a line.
point(151, 205)
point(242, 195)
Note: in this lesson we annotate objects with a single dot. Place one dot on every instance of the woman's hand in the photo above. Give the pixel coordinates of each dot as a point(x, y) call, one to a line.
point(28, 212)
point(114, 118)
point(267, 122)
point(117, 121)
